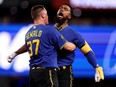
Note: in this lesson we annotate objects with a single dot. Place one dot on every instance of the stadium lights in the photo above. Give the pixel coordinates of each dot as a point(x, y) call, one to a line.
point(1, 1)
point(98, 4)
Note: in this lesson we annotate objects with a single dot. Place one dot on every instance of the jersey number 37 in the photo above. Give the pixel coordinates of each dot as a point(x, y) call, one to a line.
point(33, 50)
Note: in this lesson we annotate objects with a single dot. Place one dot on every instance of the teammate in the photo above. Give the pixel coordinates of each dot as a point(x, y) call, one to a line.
point(66, 58)
point(42, 43)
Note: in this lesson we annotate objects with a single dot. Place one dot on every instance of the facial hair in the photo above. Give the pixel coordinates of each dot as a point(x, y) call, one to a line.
point(60, 21)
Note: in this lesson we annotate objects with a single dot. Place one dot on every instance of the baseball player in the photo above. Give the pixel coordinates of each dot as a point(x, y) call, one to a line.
point(66, 58)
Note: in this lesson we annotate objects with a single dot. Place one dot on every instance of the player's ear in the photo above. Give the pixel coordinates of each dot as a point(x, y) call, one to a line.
point(42, 15)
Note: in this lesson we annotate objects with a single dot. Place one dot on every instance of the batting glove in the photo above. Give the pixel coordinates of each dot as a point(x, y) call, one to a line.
point(11, 57)
point(99, 75)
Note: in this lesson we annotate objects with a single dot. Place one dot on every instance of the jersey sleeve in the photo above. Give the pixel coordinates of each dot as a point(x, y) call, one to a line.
point(78, 40)
point(56, 38)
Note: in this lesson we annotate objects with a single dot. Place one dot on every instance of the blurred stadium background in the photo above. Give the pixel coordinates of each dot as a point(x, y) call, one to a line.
point(94, 19)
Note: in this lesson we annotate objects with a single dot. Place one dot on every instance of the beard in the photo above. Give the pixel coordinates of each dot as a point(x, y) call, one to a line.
point(60, 20)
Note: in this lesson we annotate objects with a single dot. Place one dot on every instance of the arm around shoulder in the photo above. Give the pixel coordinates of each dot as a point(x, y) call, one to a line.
point(69, 46)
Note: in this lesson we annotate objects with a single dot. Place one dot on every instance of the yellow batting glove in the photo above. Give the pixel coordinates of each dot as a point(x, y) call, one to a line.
point(99, 75)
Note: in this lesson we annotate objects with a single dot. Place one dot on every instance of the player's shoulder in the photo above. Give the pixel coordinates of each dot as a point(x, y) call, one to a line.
point(73, 30)
point(30, 29)
point(49, 27)
point(40, 26)
point(70, 29)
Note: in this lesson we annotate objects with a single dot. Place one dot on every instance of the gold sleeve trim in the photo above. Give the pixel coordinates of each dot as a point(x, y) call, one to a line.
point(86, 48)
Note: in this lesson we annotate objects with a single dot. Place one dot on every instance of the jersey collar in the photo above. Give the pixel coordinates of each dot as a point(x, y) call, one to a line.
point(60, 27)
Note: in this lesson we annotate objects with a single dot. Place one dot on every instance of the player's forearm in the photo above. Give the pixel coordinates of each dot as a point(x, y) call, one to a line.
point(14, 54)
point(69, 46)
point(91, 59)
point(87, 51)
point(21, 50)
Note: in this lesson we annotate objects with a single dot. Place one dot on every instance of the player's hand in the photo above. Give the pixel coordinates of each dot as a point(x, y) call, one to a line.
point(99, 75)
point(11, 57)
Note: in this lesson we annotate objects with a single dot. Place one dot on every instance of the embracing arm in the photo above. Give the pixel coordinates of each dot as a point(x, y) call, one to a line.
point(69, 46)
